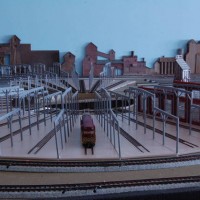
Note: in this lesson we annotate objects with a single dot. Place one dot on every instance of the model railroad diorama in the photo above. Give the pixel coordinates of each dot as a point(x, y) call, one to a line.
point(125, 110)
point(18, 61)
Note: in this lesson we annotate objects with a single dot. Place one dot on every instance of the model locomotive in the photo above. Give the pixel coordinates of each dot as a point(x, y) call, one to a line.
point(88, 135)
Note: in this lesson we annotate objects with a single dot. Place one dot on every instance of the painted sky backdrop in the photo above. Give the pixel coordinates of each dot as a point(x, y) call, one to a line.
point(151, 28)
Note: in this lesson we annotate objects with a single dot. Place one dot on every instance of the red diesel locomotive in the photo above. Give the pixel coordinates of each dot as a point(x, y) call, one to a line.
point(88, 135)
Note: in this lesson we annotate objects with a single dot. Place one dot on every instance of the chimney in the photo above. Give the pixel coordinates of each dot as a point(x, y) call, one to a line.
point(132, 53)
point(180, 52)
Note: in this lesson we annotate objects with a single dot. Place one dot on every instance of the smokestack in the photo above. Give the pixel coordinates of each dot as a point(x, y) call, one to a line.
point(180, 52)
point(132, 53)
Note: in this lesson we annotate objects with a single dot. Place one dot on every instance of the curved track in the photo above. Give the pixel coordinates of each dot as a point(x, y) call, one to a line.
point(65, 190)
point(90, 190)
point(8, 164)
point(99, 185)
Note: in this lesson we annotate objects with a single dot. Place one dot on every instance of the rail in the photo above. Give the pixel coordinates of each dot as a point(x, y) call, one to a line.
point(136, 92)
point(87, 190)
point(48, 101)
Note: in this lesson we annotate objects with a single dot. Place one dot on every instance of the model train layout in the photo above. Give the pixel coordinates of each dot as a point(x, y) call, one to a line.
point(88, 135)
point(141, 119)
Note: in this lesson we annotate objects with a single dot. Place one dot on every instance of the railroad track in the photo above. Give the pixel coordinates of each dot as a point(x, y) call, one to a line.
point(42, 142)
point(182, 141)
point(182, 125)
point(132, 140)
point(62, 190)
point(6, 163)
point(115, 84)
point(9, 163)
point(97, 187)
point(26, 117)
point(45, 163)
point(95, 86)
point(5, 137)
point(16, 120)
point(36, 148)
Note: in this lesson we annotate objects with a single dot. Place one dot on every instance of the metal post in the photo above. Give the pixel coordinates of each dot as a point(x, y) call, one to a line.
point(7, 100)
point(56, 141)
point(154, 113)
point(144, 113)
point(110, 127)
point(60, 127)
point(136, 112)
point(11, 133)
point(104, 105)
point(23, 105)
point(29, 114)
point(20, 124)
point(177, 111)
point(129, 108)
point(119, 141)
point(44, 108)
point(67, 117)
point(101, 112)
point(37, 108)
point(177, 136)
point(190, 122)
point(114, 133)
point(164, 126)
point(49, 100)
point(64, 129)
point(107, 115)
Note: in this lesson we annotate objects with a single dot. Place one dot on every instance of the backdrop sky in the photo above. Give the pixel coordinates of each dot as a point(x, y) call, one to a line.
point(150, 28)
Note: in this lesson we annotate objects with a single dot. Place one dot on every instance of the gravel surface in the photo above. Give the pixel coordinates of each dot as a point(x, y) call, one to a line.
point(28, 178)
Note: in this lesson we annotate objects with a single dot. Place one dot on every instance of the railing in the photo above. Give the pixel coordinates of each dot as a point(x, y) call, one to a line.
point(177, 92)
point(135, 93)
point(164, 117)
point(8, 117)
point(13, 70)
point(107, 118)
point(34, 93)
point(49, 80)
point(70, 104)
point(6, 96)
point(106, 75)
point(75, 79)
point(67, 115)
point(65, 77)
point(48, 101)
point(58, 124)
point(124, 99)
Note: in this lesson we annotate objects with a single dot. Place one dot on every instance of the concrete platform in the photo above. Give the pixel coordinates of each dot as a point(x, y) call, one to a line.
point(104, 149)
